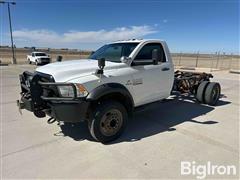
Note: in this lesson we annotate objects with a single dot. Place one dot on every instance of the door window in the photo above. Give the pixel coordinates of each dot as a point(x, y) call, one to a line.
point(144, 56)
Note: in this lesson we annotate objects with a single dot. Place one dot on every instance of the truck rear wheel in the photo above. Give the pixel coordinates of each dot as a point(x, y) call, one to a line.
point(201, 91)
point(29, 61)
point(108, 122)
point(212, 93)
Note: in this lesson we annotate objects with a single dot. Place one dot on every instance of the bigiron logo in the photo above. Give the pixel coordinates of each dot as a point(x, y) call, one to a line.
point(201, 171)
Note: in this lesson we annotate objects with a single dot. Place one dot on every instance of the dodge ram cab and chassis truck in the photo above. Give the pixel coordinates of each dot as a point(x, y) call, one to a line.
point(105, 89)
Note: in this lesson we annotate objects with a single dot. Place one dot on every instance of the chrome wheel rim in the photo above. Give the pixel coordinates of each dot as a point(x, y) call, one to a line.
point(111, 122)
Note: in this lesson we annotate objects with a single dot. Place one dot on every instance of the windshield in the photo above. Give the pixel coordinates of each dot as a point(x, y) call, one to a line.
point(40, 54)
point(113, 52)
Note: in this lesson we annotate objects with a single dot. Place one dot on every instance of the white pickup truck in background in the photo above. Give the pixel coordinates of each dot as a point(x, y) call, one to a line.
point(38, 58)
point(137, 72)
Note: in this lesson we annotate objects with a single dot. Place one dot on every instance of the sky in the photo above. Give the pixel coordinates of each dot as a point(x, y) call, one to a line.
point(187, 25)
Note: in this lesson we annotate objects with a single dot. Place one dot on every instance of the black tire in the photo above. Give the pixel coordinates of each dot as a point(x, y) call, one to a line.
point(201, 91)
point(29, 61)
point(108, 122)
point(212, 93)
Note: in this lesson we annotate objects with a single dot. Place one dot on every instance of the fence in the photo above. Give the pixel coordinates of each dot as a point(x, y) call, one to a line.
point(214, 61)
point(218, 60)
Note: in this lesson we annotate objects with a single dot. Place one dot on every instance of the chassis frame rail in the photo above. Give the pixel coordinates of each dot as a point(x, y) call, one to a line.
point(188, 81)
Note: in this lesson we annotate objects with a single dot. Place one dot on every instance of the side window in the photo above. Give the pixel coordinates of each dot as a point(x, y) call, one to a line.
point(33, 54)
point(145, 54)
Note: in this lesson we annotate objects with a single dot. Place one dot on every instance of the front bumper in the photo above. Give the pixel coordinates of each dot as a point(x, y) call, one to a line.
point(39, 94)
point(75, 111)
point(44, 60)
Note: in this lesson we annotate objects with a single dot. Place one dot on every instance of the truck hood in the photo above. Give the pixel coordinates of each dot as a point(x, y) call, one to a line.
point(68, 70)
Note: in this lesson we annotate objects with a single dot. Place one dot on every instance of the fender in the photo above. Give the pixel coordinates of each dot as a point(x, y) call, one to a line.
point(111, 88)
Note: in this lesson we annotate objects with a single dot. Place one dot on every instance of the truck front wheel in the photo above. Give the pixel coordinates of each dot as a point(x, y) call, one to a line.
point(108, 122)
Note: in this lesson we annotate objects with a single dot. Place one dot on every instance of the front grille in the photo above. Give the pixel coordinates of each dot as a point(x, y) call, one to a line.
point(45, 59)
point(48, 91)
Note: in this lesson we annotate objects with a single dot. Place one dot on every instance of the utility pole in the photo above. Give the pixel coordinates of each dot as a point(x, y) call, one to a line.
point(14, 61)
point(218, 56)
point(197, 59)
point(179, 62)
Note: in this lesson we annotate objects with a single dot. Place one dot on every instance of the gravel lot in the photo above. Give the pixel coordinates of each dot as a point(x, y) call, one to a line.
point(155, 142)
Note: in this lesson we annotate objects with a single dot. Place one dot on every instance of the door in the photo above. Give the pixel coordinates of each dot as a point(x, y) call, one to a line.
point(151, 82)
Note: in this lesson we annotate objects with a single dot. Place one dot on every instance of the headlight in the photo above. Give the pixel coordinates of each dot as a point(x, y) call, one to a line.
point(67, 91)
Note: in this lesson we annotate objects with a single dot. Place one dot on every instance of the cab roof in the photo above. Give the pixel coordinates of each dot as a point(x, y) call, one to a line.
point(138, 40)
point(38, 52)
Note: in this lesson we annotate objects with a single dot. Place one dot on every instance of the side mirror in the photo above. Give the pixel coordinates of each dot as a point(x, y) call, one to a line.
point(101, 65)
point(156, 56)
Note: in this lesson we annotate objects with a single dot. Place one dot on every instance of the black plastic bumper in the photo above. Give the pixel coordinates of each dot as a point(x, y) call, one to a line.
point(69, 111)
point(42, 97)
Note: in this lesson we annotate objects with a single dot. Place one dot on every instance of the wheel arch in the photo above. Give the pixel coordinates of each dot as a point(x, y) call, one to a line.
point(112, 91)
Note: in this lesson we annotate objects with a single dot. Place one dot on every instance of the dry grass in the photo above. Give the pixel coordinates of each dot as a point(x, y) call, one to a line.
point(223, 62)
point(21, 54)
point(188, 60)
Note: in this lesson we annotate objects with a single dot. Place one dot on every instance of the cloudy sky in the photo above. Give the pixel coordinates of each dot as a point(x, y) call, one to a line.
point(187, 25)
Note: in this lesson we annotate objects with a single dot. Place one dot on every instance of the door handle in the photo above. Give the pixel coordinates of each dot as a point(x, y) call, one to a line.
point(165, 69)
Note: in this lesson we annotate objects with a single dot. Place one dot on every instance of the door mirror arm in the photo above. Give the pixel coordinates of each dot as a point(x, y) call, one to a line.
point(125, 59)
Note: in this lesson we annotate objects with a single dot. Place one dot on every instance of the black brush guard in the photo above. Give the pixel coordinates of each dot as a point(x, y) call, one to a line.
point(40, 95)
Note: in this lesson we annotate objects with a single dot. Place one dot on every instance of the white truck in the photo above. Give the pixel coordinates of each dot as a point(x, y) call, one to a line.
point(105, 89)
point(38, 58)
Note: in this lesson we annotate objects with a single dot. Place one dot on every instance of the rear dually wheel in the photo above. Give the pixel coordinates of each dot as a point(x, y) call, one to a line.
point(212, 93)
point(201, 91)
